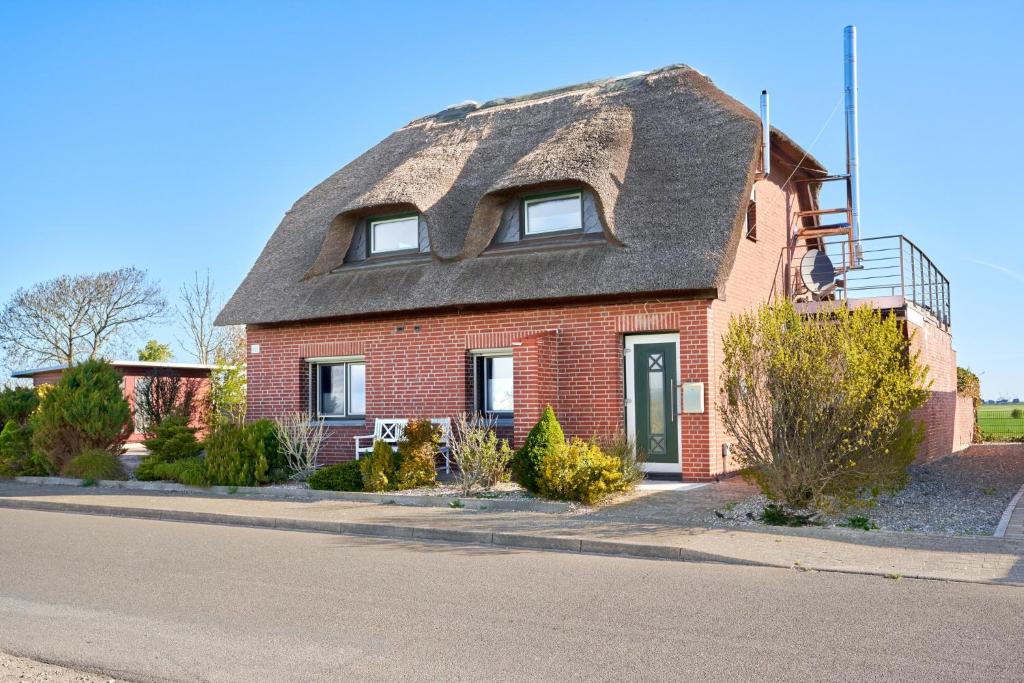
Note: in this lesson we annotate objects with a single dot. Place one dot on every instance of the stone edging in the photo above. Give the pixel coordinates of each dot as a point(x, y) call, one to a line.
point(572, 544)
point(1004, 521)
point(270, 492)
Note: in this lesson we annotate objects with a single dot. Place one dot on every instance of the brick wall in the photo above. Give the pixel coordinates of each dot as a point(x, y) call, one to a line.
point(943, 431)
point(966, 416)
point(756, 277)
point(418, 366)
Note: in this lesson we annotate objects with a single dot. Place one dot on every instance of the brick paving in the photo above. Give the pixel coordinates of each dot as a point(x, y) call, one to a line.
point(659, 524)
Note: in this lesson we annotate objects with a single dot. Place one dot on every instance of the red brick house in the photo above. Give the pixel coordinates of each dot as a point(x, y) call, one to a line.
point(583, 247)
point(134, 374)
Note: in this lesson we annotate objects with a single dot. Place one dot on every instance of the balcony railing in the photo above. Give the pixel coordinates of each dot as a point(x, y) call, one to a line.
point(885, 267)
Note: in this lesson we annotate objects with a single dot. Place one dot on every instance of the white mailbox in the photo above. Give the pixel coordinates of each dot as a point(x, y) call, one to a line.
point(693, 397)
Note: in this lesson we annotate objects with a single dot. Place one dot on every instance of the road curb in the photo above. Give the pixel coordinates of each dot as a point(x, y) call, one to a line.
point(582, 545)
point(1004, 521)
point(283, 493)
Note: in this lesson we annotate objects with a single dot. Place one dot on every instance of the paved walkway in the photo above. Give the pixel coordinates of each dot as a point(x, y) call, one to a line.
point(1014, 520)
point(665, 524)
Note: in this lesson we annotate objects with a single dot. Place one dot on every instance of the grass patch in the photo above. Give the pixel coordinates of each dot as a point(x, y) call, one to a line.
point(859, 522)
point(1001, 421)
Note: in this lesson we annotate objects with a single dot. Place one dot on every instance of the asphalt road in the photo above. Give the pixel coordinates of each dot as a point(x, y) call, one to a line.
point(148, 600)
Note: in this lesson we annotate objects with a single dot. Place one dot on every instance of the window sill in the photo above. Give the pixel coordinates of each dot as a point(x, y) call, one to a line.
point(342, 422)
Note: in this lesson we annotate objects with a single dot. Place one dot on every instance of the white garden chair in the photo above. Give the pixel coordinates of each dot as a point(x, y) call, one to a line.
point(445, 423)
point(389, 431)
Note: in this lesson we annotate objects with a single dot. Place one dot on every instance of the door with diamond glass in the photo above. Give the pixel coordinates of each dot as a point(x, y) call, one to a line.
point(652, 382)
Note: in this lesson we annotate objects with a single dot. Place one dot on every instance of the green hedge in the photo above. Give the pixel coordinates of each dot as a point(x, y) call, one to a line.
point(344, 476)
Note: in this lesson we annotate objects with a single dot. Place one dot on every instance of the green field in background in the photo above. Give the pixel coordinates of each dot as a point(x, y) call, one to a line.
point(997, 419)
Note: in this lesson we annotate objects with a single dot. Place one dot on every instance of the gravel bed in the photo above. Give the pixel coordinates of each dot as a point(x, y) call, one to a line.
point(504, 491)
point(961, 494)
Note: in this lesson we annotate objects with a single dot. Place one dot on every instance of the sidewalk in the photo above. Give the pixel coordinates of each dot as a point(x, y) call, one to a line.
point(661, 525)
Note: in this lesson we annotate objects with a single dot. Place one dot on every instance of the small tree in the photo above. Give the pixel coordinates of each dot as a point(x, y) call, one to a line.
point(481, 458)
point(819, 405)
point(228, 383)
point(155, 352)
point(165, 393)
point(85, 410)
point(544, 438)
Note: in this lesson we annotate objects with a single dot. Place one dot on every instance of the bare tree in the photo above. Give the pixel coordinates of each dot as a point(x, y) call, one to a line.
point(161, 394)
point(197, 309)
point(74, 317)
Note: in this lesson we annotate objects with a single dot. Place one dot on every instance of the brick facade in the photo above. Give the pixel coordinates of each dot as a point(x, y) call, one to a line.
point(419, 366)
point(947, 417)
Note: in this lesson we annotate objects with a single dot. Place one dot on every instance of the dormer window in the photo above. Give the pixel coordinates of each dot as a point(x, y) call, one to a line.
point(394, 234)
point(553, 213)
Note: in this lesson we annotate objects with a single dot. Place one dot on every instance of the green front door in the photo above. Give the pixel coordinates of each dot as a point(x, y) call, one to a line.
point(654, 376)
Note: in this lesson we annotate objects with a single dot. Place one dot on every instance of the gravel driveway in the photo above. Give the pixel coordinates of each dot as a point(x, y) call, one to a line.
point(961, 494)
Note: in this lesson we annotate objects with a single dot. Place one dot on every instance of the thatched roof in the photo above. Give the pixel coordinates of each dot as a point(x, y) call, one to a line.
point(668, 157)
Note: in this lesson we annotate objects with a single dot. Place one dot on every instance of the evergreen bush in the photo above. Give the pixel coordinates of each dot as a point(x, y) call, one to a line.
point(173, 439)
point(579, 471)
point(94, 464)
point(236, 455)
point(378, 467)
point(18, 404)
point(344, 476)
point(545, 437)
point(16, 455)
point(86, 410)
point(417, 455)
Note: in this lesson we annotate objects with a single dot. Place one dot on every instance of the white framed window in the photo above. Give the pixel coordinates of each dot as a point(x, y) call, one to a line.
point(552, 213)
point(494, 382)
point(338, 388)
point(394, 234)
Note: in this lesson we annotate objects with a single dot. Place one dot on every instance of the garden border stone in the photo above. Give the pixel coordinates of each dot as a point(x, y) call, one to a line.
point(280, 492)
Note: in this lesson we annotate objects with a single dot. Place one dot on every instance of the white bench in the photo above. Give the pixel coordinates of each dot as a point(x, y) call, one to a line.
point(388, 431)
point(391, 431)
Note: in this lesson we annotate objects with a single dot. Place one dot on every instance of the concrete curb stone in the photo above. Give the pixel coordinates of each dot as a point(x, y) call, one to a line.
point(279, 492)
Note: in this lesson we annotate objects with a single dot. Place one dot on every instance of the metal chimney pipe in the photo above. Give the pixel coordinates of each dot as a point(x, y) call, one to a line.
point(852, 133)
point(766, 150)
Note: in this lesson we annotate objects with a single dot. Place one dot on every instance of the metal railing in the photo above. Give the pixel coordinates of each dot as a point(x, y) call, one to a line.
point(890, 266)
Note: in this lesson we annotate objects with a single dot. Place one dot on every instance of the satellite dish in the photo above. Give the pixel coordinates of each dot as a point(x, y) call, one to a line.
point(817, 271)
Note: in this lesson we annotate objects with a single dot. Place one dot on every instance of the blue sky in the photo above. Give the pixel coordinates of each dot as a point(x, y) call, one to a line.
point(175, 136)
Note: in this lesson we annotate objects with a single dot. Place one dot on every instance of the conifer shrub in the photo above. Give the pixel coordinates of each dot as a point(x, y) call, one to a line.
point(236, 455)
point(378, 467)
point(417, 455)
point(345, 476)
point(16, 455)
point(188, 471)
point(277, 460)
point(94, 464)
point(579, 471)
point(545, 437)
point(17, 404)
point(173, 439)
point(86, 410)
point(819, 405)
